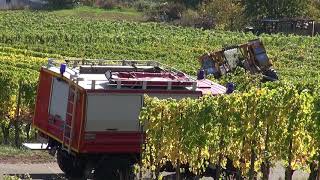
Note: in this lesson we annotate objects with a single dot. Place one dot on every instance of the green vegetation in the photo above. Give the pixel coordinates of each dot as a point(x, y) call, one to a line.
point(27, 39)
point(6, 151)
point(126, 14)
point(42, 32)
point(10, 178)
point(9, 154)
point(25, 177)
point(222, 14)
point(278, 9)
point(253, 129)
point(19, 74)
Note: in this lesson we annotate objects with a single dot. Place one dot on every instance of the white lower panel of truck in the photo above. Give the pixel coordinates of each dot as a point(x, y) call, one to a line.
point(119, 112)
point(113, 112)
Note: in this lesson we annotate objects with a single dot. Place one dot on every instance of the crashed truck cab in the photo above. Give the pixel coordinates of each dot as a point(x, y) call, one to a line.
point(252, 56)
point(88, 110)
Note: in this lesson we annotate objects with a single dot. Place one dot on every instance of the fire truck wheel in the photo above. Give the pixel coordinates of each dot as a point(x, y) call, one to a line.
point(72, 167)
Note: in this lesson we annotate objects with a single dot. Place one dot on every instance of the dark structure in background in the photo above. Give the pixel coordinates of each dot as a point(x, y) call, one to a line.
point(21, 4)
point(13, 4)
point(299, 26)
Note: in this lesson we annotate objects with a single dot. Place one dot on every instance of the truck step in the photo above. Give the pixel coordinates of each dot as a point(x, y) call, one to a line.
point(35, 146)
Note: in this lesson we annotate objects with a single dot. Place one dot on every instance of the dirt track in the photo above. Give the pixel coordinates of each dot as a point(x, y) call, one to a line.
point(51, 171)
point(35, 171)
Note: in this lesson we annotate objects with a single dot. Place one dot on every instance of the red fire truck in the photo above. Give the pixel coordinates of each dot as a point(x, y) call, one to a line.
point(88, 111)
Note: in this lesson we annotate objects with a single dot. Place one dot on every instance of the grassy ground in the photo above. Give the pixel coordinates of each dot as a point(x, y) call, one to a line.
point(13, 155)
point(11, 178)
point(117, 14)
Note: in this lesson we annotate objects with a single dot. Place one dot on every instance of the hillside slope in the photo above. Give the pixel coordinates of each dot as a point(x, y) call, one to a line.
point(295, 57)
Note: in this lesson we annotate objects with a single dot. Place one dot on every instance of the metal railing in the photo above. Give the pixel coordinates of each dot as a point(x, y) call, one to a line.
point(75, 64)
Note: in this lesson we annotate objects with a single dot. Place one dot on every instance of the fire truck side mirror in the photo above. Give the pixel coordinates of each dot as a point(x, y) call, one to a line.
point(50, 62)
point(108, 74)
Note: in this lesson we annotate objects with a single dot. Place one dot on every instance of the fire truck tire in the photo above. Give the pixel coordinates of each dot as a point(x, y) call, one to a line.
point(70, 165)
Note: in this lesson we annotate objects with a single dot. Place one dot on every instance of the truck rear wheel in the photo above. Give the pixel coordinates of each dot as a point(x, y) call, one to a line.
point(72, 166)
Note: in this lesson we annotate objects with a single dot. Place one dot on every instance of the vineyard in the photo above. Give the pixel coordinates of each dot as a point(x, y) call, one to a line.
point(258, 125)
point(252, 129)
point(73, 37)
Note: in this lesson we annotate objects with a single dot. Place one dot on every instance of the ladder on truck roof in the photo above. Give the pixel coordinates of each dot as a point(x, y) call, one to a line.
point(86, 63)
point(68, 130)
point(76, 62)
point(120, 74)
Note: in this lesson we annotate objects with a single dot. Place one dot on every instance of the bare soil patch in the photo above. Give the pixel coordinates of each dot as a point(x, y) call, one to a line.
point(11, 155)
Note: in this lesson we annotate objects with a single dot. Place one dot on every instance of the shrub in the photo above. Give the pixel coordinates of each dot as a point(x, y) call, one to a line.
point(189, 18)
point(166, 12)
point(190, 4)
point(143, 5)
point(106, 4)
point(228, 15)
point(87, 2)
point(206, 22)
point(61, 3)
point(194, 19)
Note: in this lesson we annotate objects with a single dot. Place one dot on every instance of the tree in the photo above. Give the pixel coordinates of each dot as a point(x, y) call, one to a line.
point(257, 9)
point(188, 3)
point(7, 106)
point(228, 14)
point(314, 9)
point(61, 3)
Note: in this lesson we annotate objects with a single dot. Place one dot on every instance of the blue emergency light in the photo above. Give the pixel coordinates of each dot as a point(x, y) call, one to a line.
point(200, 74)
point(230, 87)
point(63, 68)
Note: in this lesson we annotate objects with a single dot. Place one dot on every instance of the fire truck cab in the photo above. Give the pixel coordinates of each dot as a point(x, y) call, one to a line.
point(252, 56)
point(88, 111)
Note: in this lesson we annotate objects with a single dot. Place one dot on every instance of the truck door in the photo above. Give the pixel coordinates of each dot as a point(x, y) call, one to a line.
point(59, 99)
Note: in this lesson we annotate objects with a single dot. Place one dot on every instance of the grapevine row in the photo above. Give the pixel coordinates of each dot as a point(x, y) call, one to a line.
point(296, 58)
point(262, 126)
